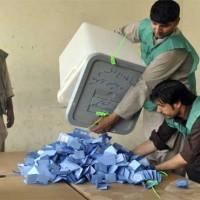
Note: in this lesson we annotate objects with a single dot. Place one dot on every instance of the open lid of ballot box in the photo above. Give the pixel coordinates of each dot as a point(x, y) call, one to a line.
point(100, 87)
point(89, 83)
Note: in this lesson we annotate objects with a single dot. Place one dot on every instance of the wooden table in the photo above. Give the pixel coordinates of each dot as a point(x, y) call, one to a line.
point(9, 161)
point(13, 187)
point(167, 191)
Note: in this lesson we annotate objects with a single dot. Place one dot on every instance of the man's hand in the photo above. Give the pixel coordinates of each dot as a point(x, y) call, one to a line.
point(106, 123)
point(10, 113)
point(10, 118)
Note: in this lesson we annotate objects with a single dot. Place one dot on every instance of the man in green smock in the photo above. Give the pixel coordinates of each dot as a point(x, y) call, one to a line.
point(180, 107)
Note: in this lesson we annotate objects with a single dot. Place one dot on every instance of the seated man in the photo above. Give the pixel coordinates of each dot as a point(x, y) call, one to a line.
point(181, 109)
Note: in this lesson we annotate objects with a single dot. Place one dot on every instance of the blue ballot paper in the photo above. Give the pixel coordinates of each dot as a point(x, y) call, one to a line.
point(101, 186)
point(78, 157)
point(182, 183)
point(137, 177)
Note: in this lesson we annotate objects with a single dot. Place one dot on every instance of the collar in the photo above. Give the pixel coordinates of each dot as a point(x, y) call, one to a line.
point(187, 112)
point(183, 120)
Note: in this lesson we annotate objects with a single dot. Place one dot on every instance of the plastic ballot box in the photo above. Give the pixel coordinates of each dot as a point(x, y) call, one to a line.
point(90, 82)
point(89, 39)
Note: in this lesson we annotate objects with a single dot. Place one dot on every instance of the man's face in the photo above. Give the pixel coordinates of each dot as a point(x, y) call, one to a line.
point(168, 110)
point(162, 30)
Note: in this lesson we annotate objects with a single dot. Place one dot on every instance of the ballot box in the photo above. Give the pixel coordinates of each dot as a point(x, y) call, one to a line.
point(87, 40)
point(99, 88)
point(90, 82)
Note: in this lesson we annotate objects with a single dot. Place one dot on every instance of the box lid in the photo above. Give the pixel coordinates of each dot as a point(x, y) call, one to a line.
point(100, 87)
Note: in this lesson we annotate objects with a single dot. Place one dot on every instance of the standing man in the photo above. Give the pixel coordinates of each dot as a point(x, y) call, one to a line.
point(6, 105)
point(167, 54)
point(180, 107)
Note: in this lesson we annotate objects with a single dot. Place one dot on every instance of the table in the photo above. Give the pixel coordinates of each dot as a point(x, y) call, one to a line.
point(167, 190)
point(12, 187)
point(9, 161)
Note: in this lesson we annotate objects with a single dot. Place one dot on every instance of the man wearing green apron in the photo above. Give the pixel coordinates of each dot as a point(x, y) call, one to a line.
point(180, 107)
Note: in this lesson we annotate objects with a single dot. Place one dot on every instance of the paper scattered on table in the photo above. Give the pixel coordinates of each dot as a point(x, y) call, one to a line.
point(182, 183)
point(78, 157)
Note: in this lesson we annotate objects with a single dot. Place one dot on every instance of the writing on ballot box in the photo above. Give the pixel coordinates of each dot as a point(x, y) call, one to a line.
point(100, 87)
point(89, 83)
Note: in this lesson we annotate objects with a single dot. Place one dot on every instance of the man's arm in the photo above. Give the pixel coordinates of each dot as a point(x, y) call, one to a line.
point(145, 148)
point(165, 66)
point(10, 113)
point(157, 140)
point(130, 30)
point(191, 148)
point(148, 147)
point(9, 95)
point(173, 163)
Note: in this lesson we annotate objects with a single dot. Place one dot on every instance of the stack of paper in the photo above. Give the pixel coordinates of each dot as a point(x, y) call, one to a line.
point(78, 157)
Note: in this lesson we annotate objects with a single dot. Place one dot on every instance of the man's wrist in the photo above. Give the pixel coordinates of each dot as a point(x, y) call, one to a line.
point(114, 117)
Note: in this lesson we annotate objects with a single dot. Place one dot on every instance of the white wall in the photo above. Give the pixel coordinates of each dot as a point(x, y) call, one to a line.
point(35, 32)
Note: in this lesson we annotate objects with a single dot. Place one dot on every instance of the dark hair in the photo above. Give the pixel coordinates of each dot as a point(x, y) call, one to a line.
point(164, 11)
point(172, 91)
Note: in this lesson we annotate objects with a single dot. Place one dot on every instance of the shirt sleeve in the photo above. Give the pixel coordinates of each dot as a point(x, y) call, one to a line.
point(163, 134)
point(9, 90)
point(161, 68)
point(130, 30)
point(5, 85)
point(191, 148)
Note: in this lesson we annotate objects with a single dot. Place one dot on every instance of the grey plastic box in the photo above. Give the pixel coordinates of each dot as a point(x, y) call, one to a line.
point(100, 87)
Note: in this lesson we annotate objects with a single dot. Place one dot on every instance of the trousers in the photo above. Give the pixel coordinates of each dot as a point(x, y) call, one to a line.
point(193, 170)
point(3, 134)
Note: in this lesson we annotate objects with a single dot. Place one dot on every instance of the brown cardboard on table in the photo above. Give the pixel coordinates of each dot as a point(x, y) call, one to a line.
point(13, 188)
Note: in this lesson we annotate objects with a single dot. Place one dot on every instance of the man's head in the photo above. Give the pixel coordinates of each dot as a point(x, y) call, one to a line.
point(164, 15)
point(172, 97)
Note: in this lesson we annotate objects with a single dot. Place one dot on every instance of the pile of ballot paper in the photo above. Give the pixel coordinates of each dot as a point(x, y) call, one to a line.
point(78, 157)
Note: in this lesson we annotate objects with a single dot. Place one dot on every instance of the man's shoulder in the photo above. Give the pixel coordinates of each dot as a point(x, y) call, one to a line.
point(145, 22)
point(3, 54)
point(197, 123)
